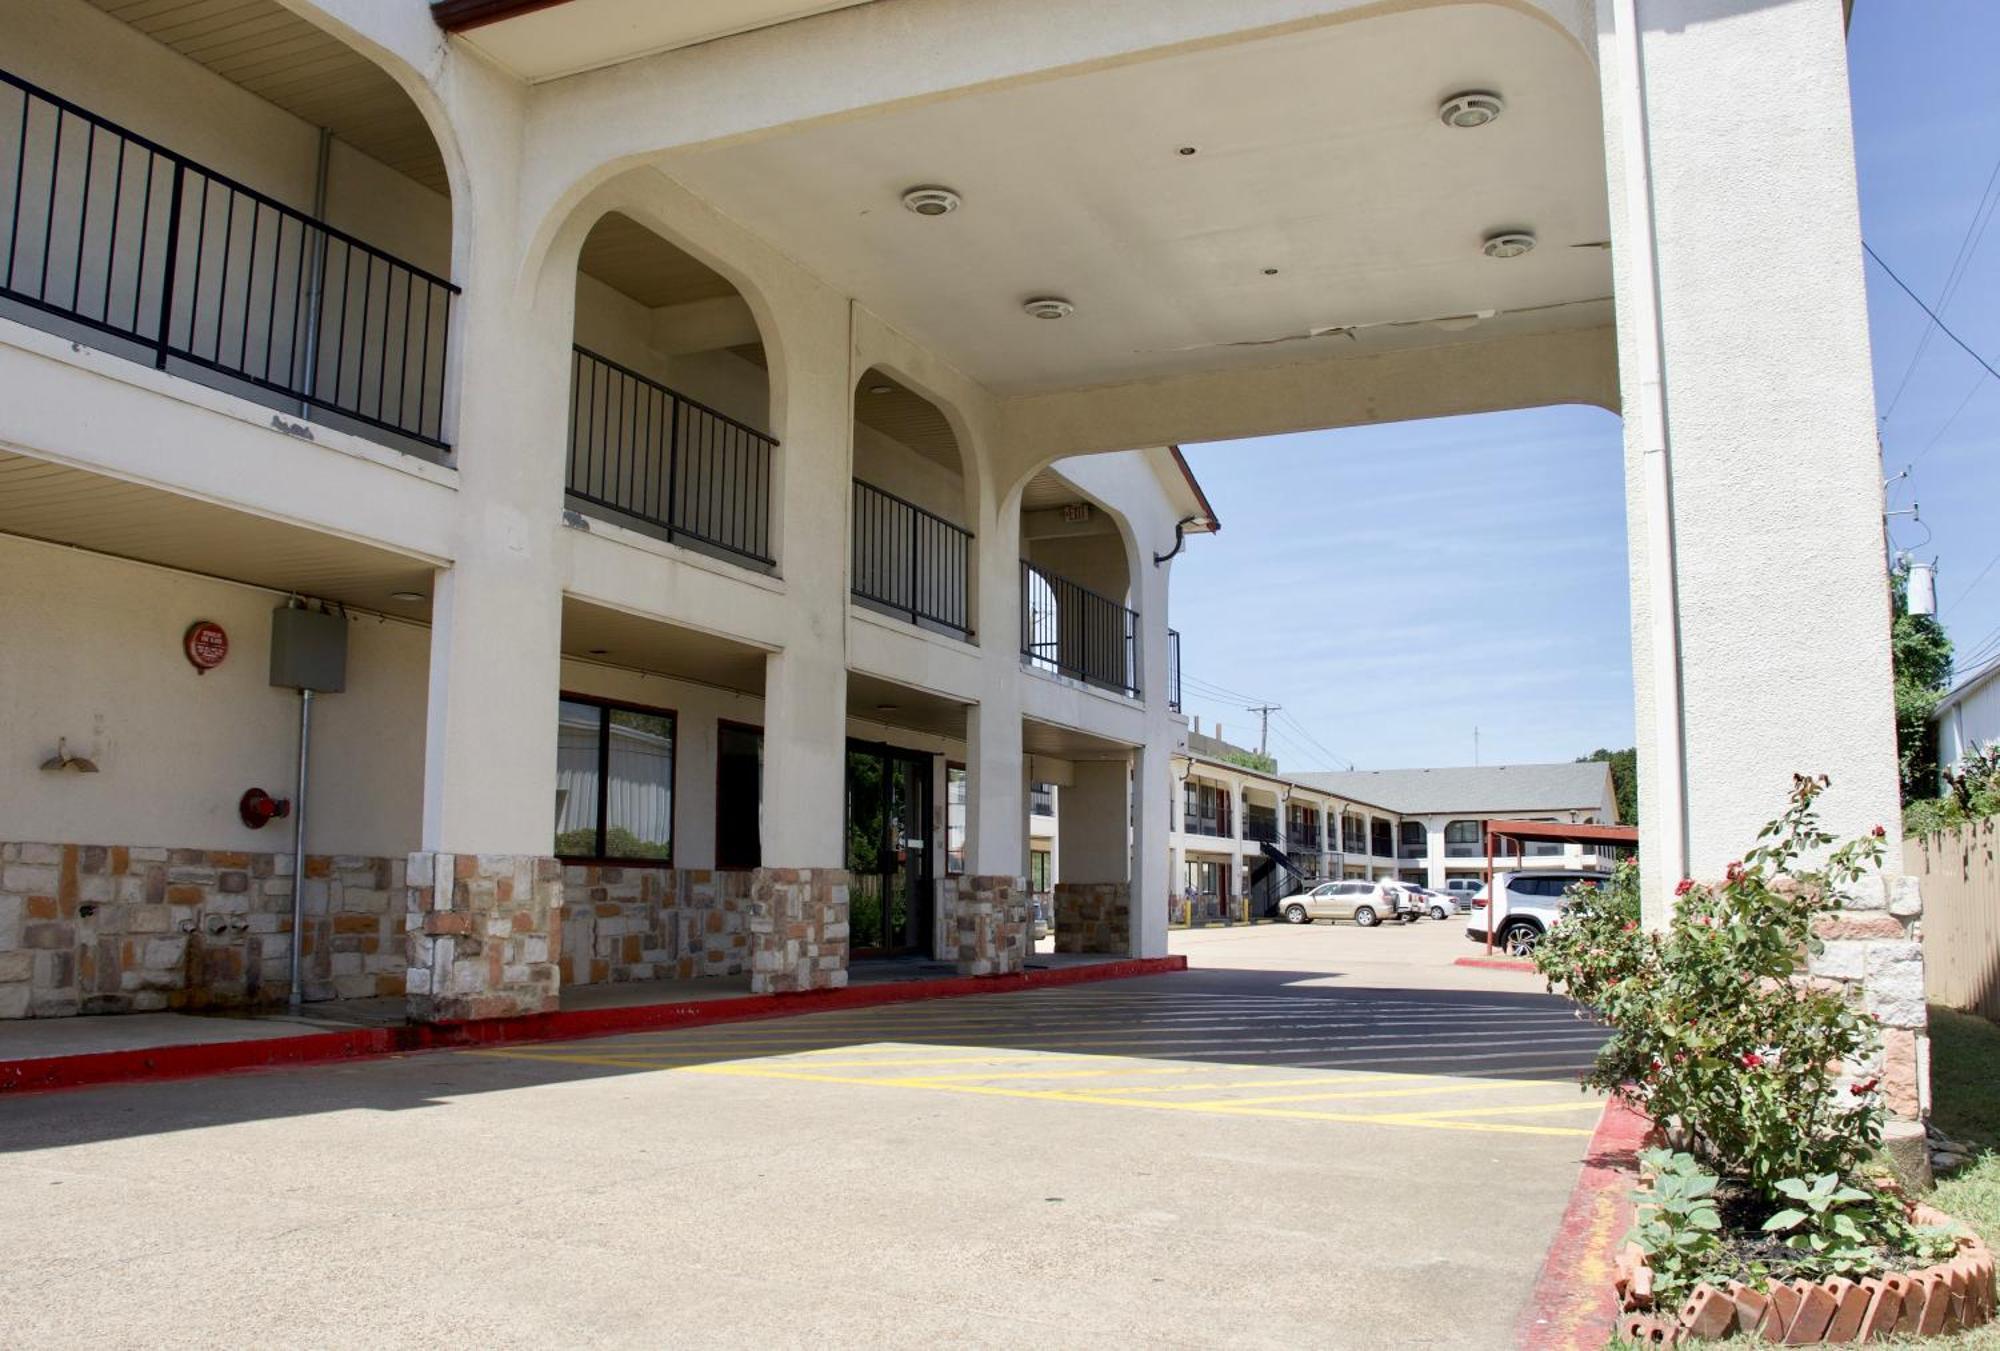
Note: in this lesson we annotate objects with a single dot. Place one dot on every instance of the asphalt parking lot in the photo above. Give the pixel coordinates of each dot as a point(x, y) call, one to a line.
point(1322, 1136)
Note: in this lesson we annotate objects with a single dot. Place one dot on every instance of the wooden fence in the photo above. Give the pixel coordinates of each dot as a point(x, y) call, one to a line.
point(1961, 879)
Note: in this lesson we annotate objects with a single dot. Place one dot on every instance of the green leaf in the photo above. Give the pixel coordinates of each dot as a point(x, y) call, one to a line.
point(1784, 1219)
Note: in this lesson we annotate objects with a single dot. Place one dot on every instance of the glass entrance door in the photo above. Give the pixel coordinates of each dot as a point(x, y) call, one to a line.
point(888, 850)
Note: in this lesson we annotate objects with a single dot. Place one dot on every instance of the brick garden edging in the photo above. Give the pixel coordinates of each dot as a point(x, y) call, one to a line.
point(1948, 1297)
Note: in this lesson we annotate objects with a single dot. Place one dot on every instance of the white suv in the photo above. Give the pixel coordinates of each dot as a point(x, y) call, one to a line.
point(1530, 903)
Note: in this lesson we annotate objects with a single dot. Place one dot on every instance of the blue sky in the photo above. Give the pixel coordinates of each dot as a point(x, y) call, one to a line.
point(1389, 637)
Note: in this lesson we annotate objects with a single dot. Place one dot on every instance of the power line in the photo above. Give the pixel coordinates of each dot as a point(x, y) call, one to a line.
point(1968, 244)
point(1975, 584)
point(1942, 325)
point(1978, 383)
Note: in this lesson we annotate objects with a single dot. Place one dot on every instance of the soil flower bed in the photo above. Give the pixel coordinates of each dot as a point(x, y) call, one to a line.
point(1923, 1299)
point(1762, 1213)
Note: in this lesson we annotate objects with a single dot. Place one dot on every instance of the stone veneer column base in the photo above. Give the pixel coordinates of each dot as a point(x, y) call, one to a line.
point(485, 936)
point(798, 929)
point(1094, 917)
point(989, 915)
point(1871, 950)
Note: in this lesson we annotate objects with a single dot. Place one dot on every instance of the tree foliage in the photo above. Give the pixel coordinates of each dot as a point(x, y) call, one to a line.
point(1624, 779)
point(1921, 654)
point(1257, 760)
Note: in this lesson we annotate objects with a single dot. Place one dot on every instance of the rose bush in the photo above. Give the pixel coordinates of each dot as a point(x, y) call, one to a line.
point(1712, 1033)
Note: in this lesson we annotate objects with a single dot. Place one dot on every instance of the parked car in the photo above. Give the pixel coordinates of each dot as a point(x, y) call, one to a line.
point(1529, 904)
point(1366, 903)
point(1436, 904)
point(1463, 889)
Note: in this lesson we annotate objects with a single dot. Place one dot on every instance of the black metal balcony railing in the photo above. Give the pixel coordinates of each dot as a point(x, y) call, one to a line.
point(642, 450)
point(116, 233)
point(1174, 669)
point(1073, 631)
point(911, 562)
point(1260, 828)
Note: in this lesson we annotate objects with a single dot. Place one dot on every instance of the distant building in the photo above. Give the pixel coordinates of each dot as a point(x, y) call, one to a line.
point(1968, 716)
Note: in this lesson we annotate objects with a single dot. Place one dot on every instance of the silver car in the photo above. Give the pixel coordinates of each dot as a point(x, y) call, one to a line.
point(1366, 903)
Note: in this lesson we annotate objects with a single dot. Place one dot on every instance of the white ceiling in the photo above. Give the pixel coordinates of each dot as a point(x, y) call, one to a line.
point(578, 35)
point(1319, 154)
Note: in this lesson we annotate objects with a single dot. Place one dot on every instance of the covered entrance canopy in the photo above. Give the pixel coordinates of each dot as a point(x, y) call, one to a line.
point(1544, 832)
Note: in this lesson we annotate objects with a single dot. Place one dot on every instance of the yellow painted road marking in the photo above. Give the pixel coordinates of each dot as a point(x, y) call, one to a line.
point(1416, 1120)
point(1519, 1109)
point(1423, 1090)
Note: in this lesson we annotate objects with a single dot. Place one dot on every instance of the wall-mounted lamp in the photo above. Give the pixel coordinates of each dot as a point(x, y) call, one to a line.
point(62, 759)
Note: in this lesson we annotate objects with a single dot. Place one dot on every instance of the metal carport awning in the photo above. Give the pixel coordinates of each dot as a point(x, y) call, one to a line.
point(1544, 832)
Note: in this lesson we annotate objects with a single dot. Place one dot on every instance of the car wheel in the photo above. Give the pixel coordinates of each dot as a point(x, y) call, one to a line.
point(1365, 916)
point(1519, 938)
point(1438, 912)
point(1296, 914)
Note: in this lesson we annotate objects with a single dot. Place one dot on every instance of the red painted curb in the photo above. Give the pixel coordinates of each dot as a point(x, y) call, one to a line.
point(359, 1043)
point(1496, 963)
point(1575, 1306)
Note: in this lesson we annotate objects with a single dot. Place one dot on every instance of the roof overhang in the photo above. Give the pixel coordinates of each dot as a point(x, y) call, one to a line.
point(1544, 832)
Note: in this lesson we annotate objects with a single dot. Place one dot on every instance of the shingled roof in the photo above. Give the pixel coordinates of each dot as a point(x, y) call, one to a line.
point(1474, 790)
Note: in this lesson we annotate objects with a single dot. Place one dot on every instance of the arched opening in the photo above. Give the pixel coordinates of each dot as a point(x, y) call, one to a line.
point(269, 214)
point(913, 549)
point(669, 397)
point(1077, 619)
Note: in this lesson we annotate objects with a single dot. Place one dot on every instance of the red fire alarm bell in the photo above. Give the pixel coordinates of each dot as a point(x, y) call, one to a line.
point(258, 808)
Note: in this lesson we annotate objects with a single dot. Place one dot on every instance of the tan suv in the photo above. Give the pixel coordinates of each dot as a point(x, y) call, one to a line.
point(1366, 903)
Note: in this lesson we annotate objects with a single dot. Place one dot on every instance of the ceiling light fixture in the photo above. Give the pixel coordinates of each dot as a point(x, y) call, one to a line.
point(407, 597)
point(1048, 307)
point(1508, 244)
point(1187, 150)
point(600, 651)
point(1270, 271)
point(931, 200)
point(878, 389)
point(1472, 108)
point(887, 708)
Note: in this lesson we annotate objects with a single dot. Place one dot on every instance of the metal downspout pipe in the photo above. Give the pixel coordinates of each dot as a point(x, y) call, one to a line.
point(1668, 853)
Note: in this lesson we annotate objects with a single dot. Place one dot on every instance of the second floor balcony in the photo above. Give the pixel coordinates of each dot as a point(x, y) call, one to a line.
point(910, 562)
point(117, 238)
point(666, 464)
point(1072, 631)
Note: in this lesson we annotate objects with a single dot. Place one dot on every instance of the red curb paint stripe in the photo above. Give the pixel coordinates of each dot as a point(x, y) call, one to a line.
point(1574, 1307)
point(1497, 963)
point(201, 1060)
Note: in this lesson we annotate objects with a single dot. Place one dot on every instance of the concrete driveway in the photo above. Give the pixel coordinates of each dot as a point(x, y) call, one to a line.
point(1294, 1145)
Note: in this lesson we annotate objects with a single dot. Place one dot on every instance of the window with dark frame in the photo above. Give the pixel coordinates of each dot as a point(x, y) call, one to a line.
point(614, 782)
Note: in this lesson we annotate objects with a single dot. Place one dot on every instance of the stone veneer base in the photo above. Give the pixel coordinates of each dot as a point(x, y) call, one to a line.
point(94, 928)
point(485, 935)
point(1093, 917)
point(988, 917)
point(797, 922)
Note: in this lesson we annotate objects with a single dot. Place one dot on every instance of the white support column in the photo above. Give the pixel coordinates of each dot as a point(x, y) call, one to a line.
point(996, 820)
point(1760, 607)
point(1152, 881)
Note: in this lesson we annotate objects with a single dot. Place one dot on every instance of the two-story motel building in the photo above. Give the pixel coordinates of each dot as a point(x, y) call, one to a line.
point(733, 446)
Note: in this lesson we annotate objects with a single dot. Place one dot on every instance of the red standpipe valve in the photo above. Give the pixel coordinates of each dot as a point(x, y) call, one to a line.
point(258, 808)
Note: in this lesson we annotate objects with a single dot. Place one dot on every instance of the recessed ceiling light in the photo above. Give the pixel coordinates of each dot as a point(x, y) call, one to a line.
point(931, 200)
point(1270, 271)
point(1049, 307)
point(1187, 150)
point(406, 596)
point(1508, 244)
point(878, 389)
point(1472, 108)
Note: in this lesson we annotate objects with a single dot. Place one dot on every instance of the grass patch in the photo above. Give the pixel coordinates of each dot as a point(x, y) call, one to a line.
point(1965, 1104)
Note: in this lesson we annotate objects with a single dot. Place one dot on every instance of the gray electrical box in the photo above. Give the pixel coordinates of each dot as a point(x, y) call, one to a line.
point(308, 650)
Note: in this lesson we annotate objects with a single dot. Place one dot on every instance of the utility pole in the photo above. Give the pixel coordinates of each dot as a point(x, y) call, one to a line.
point(1264, 712)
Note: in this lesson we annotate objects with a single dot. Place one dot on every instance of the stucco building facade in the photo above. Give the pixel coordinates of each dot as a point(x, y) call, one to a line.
point(797, 392)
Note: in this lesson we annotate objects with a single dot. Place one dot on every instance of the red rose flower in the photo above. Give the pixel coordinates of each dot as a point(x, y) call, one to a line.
point(1687, 885)
point(1734, 873)
point(1879, 832)
point(1863, 1088)
point(1751, 1060)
